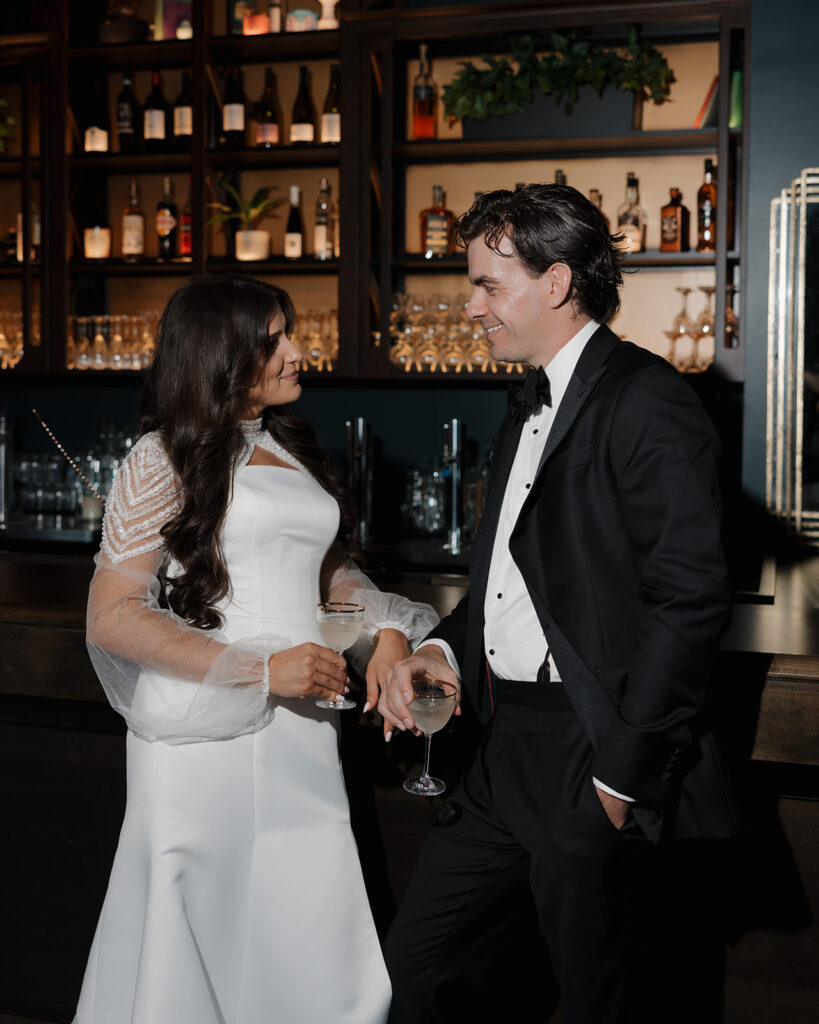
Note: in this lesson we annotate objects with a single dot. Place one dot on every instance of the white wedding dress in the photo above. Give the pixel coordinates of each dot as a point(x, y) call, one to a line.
point(236, 894)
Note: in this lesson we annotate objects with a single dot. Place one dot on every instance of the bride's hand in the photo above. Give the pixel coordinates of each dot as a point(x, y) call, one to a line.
point(307, 670)
point(390, 646)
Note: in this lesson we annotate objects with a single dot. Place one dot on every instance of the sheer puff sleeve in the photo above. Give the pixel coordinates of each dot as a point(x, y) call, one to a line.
point(342, 580)
point(168, 679)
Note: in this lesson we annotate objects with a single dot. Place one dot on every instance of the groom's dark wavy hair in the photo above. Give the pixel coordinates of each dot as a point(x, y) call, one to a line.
point(213, 343)
point(552, 224)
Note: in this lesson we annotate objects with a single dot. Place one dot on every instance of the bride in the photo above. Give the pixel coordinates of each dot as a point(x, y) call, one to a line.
point(236, 895)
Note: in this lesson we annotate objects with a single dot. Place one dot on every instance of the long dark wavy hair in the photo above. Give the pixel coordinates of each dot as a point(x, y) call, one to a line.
point(213, 342)
point(552, 224)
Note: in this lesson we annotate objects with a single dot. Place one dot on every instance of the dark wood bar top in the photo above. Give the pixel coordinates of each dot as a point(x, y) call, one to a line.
point(42, 623)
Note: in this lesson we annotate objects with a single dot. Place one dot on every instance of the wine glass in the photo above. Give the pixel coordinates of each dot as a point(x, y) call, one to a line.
point(433, 702)
point(703, 328)
point(339, 623)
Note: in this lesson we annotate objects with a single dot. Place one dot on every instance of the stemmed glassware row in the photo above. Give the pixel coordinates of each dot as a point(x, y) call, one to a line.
point(432, 333)
point(698, 328)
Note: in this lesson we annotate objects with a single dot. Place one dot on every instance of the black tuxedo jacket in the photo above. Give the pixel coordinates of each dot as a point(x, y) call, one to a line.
point(618, 543)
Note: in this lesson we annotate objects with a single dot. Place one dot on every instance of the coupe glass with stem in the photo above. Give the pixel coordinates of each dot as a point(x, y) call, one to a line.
point(703, 328)
point(681, 325)
point(432, 704)
point(339, 623)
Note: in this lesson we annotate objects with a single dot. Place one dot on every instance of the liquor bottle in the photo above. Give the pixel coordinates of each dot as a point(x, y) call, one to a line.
point(274, 13)
point(294, 232)
point(303, 122)
point(560, 178)
point(424, 95)
point(185, 233)
point(597, 199)
point(674, 224)
point(323, 228)
point(707, 211)
point(133, 227)
point(34, 234)
point(166, 222)
point(183, 115)
point(233, 110)
point(127, 118)
point(331, 113)
point(436, 227)
point(336, 228)
point(95, 137)
point(155, 118)
point(268, 115)
point(631, 217)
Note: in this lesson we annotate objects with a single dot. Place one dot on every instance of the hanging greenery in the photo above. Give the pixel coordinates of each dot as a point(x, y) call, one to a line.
point(507, 83)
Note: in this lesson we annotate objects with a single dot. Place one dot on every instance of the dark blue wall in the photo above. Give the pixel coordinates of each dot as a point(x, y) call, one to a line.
point(783, 138)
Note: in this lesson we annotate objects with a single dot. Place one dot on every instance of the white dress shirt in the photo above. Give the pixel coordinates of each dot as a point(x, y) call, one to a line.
point(514, 641)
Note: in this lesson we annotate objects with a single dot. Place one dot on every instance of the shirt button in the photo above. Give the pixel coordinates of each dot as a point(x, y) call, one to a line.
point(528, 486)
point(535, 430)
point(491, 650)
point(500, 596)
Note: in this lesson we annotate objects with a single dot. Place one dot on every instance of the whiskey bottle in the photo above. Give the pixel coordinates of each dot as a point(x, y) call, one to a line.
point(323, 227)
point(436, 227)
point(674, 224)
point(95, 137)
point(233, 111)
point(294, 231)
point(133, 228)
point(166, 222)
point(331, 112)
point(707, 211)
point(155, 134)
point(185, 234)
point(268, 116)
point(631, 218)
point(424, 94)
point(183, 115)
point(127, 118)
point(274, 13)
point(597, 199)
point(560, 177)
point(303, 121)
point(336, 229)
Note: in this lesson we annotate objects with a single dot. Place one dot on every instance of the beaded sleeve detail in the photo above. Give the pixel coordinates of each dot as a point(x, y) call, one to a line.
point(145, 495)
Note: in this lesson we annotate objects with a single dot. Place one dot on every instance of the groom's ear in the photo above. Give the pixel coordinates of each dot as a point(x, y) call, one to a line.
point(558, 282)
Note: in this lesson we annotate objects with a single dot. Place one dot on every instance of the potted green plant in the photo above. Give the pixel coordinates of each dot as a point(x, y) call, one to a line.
point(576, 68)
point(252, 243)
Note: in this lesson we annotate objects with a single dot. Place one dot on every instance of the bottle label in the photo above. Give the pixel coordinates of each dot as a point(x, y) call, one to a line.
point(301, 133)
point(292, 246)
point(154, 124)
point(320, 249)
point(185, 236)
point(165, 222)
point(233, 117)
point(133, 234)
point(274, 12)
point(331, 127)
point(436, 235)
point(670, 227)
point(96, 140)
point(633, 237)
point(267, 134)
point(125, 120)
point(183, 121)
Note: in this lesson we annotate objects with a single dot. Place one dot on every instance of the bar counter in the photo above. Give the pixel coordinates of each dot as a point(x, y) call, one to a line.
point(62, 777)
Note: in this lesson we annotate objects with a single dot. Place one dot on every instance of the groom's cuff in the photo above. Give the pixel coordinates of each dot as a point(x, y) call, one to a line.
point(450, 657)
point(612, 792)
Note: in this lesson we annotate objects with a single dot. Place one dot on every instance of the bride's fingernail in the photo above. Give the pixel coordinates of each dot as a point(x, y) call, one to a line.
point(366, 708)
point(346, 689)
point(387, 737)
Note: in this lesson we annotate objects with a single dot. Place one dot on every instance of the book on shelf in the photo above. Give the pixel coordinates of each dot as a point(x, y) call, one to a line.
point(707, 117)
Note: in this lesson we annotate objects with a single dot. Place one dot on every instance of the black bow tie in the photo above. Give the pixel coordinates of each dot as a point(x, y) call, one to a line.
point(529, 396)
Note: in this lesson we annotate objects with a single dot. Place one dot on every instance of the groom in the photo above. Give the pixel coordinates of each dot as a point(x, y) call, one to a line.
point(598, 595)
